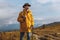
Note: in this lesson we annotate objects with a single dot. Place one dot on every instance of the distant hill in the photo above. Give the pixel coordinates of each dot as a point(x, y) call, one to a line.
point(17, 27)
point(55, 23)
point(50, 24)
point(9, 27)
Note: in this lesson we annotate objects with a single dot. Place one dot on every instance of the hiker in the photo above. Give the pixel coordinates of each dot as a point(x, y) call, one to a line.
point(26, 21)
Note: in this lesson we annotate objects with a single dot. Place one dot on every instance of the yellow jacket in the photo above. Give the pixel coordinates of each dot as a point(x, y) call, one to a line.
point(26, 20)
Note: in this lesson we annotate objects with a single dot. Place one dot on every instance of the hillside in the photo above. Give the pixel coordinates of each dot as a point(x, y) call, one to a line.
point(48, 31)
point(45, 32)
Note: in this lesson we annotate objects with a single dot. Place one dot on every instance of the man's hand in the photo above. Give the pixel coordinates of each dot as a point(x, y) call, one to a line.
point(24, 18)
point(31, 26)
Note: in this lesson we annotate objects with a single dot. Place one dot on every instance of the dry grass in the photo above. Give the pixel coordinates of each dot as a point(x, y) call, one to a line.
point(46, 33)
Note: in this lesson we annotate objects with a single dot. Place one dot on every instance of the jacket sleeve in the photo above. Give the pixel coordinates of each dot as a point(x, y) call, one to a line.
point(20, 19)
point(32, 20)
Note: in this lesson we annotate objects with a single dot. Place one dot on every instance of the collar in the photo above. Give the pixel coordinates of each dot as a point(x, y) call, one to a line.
point(26, 11)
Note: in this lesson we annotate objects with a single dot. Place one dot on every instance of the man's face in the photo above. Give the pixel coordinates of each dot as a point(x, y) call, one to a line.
point(26, 7)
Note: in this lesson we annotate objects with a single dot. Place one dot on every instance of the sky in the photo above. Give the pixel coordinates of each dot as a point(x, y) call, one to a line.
point(46, 11)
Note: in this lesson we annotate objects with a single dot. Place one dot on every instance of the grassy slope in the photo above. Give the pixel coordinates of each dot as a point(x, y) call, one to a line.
point(48, 32)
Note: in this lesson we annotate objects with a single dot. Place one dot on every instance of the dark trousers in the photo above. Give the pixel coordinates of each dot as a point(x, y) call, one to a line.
point(22, 35)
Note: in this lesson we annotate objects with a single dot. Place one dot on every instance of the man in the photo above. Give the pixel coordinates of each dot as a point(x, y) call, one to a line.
point(26, 21)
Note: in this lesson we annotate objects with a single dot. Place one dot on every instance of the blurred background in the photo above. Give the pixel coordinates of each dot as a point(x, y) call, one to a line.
point(44, 12)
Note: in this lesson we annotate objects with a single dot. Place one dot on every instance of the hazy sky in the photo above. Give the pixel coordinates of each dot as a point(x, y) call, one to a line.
point(43, 10)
